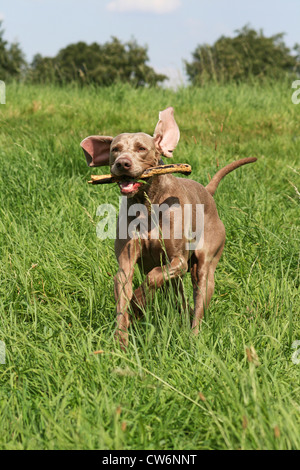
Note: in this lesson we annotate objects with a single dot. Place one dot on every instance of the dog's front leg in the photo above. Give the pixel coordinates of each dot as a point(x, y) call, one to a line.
point(127, 257)
point(123, 295)
point(157, 277)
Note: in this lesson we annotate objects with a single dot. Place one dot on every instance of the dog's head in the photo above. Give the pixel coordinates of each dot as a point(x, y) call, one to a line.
point(129, 155)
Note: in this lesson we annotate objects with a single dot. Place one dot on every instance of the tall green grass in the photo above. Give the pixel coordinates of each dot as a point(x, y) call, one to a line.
point(235, 385)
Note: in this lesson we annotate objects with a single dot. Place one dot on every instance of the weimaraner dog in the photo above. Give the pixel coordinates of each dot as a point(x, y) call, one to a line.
point(163, 259)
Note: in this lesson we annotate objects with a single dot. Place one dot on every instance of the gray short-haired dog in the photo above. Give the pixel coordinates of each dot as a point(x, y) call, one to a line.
point(128, 155)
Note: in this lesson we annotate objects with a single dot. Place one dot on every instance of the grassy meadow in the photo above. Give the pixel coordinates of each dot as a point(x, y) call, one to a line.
point(234, 386)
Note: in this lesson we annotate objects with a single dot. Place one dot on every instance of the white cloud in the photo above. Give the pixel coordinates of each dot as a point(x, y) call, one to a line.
point(150, 6)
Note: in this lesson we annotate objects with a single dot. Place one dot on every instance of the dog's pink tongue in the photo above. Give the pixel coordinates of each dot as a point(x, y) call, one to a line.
point(129, 186)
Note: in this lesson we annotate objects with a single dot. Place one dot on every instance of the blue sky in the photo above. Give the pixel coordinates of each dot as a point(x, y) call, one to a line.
point(170, 28)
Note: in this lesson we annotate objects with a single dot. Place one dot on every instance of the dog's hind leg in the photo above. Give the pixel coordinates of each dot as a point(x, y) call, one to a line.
point(202, 272)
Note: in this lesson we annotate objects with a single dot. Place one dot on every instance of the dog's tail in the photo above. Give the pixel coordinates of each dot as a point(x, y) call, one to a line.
point(214, 182)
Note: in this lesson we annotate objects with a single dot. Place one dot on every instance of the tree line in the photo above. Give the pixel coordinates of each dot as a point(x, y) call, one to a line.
point(247, 54)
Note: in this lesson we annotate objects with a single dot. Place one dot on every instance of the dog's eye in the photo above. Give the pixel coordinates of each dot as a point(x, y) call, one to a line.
point(142, 149)
point(115, 149)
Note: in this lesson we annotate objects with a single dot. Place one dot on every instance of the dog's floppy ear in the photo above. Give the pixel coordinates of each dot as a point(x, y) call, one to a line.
point(96, 149)
point(166, 134)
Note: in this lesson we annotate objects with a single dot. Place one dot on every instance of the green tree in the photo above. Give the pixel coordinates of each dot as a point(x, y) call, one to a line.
point(42, 70)
point(100, 64)
point(12, 61)
point(248, 54)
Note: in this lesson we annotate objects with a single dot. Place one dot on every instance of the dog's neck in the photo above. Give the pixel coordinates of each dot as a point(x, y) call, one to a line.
point(153, 192)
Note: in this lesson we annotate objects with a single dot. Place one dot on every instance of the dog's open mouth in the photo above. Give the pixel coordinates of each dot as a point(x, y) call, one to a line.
point(128, 187)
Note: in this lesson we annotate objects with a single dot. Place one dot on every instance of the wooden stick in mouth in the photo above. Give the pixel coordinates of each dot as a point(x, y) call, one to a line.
point(183, 168)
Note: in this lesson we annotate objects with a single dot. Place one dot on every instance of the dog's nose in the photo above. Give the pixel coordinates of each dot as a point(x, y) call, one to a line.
point(124, 164)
